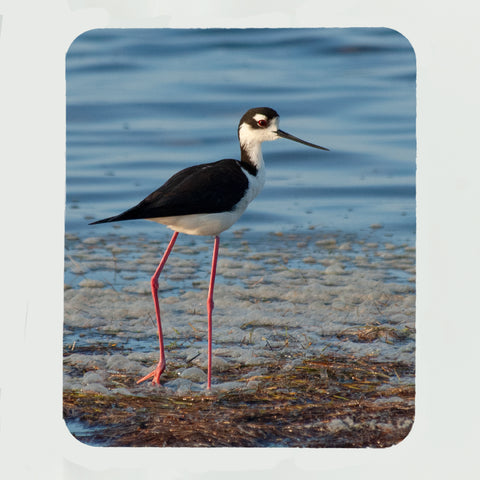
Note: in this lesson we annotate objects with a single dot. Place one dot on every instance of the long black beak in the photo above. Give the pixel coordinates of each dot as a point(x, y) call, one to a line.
point(286, 135)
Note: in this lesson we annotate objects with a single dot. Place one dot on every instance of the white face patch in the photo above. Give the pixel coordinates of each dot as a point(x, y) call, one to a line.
point(259, 116)
point(274, 124)
point(250, 136)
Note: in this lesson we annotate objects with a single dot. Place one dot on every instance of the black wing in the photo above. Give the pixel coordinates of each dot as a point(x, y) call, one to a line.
point(208, 188)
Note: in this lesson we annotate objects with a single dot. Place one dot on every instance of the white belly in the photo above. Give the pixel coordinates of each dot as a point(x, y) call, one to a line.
point(201, 223)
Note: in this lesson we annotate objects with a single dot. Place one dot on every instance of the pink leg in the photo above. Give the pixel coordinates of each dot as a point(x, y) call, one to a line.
point(154, 284)
point(210, 308)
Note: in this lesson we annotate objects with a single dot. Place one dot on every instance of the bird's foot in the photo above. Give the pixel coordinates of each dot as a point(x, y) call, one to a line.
point(155, 375)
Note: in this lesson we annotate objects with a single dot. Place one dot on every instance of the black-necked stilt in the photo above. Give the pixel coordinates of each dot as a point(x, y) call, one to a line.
point(207, 200)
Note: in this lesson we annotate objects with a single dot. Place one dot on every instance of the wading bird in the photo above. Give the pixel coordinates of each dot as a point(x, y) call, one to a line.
point(208, 199)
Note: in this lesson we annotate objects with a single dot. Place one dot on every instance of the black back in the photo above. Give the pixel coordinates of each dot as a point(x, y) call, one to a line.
point(209, 188)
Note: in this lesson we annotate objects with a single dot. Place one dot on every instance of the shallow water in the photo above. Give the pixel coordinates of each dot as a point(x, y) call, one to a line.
point(267, 303)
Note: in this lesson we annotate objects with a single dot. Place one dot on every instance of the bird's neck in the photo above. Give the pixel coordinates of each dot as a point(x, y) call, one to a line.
point(251, 157)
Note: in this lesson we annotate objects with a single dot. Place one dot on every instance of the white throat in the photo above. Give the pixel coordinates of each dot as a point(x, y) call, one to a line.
point(252, 149)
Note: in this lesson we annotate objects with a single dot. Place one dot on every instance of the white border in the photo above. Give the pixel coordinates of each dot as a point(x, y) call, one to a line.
point(34, 443)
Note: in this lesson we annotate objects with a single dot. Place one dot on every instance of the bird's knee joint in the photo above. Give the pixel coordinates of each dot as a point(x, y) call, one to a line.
point(210, 305)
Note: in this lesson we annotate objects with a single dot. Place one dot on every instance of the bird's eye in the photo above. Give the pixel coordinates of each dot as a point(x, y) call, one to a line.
point(262, 123)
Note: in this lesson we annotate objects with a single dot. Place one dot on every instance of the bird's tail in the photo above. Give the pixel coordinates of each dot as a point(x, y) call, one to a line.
point(115, 218)
point(130, 214)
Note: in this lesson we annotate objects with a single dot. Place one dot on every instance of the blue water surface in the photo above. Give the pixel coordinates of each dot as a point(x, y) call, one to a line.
point(145, 103)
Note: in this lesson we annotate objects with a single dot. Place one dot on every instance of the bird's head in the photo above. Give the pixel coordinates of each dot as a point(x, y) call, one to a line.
point(261, 125)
